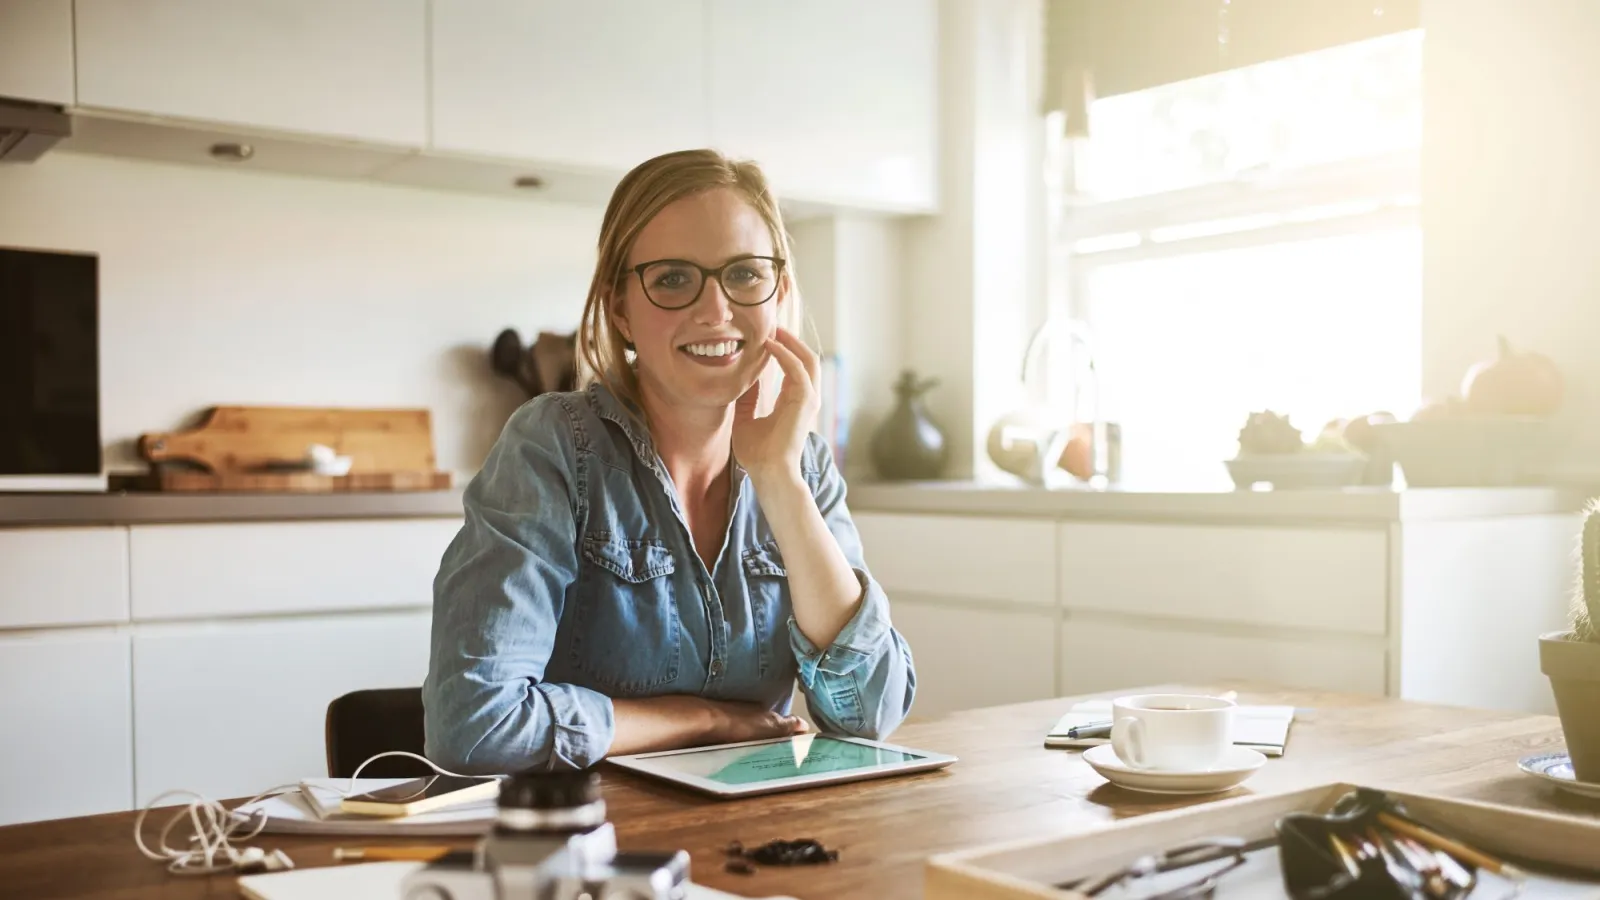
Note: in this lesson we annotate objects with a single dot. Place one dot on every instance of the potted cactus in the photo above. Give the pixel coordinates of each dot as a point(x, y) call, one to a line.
point(1571, 659)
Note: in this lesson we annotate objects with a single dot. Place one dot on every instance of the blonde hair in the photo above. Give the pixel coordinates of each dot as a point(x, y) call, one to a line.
point(642, 193)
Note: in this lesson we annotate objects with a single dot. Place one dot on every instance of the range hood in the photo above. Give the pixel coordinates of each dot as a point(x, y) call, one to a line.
point(27, 130)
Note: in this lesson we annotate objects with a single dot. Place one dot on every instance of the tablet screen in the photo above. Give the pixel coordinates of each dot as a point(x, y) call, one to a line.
point(806, 754)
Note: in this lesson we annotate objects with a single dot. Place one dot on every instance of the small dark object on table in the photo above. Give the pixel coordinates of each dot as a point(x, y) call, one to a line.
point(800, 852)
point(739, 867)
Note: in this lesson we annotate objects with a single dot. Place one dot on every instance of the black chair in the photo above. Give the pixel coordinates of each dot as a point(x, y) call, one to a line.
point(362, 724)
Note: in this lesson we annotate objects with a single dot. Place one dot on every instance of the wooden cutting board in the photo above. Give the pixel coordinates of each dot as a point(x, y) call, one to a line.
point(243, 439)
point(294, 482)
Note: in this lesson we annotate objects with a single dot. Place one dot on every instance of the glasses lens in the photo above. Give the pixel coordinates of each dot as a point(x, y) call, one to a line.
point(670, 284)
point(750, 281)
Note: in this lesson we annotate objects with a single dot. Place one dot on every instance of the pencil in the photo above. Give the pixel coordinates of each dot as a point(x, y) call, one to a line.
point(1345, 856)
point(363, 854)
point(1460, 851)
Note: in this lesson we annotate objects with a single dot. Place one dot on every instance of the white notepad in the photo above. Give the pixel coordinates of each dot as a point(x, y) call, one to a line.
point(373, 879)
point(1261, 728)
point(295, 813)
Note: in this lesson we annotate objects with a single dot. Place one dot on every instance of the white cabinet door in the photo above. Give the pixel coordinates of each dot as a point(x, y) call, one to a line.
point(1113, 656)
point(607, 83)
point(353, 69)
point(965, 557)
point(231, 709)
point(67, 745)
point(970, 657)
point(200, 571)
point(837, 99)
point(1324, 579)
point(36, 50)
point(63, 576)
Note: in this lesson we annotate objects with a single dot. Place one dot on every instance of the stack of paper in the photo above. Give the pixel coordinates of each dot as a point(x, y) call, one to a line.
point(1261, 728)
point(314, 809)
point(379, 879)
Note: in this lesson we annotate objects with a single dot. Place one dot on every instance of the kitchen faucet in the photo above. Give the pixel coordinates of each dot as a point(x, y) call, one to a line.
point(1050, 440)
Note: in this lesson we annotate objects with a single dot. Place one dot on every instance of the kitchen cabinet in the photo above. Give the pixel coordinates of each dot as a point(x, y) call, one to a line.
point(837, 99)
point(356, 69)
point(970, 656)
point(1326, 579)
point(1115, 655)
point(276, 568)
point(68, 745)
point(232, 708)
point(967, 557)
point(63, 576)
point(974, 597)
point(36, 50)
point(604, 83)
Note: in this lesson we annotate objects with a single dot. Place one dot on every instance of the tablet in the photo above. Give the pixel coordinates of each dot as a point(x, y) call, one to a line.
point(781, 764)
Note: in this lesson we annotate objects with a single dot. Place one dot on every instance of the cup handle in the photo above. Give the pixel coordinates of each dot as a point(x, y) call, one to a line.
point(1127, 738)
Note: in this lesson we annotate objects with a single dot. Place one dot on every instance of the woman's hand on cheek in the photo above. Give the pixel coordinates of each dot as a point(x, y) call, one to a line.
point(770, 447)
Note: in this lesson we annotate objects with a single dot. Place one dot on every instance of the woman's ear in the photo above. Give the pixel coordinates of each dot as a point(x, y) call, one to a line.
point(620, 321)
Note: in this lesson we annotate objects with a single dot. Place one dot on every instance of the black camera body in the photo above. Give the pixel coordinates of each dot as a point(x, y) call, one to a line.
point(551, 841)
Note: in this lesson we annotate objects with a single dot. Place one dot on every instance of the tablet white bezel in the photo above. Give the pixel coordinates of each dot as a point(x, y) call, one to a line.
point(647, 764)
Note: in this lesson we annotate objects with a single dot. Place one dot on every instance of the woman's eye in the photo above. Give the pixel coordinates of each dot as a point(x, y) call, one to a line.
point(743, 275)
point(670, 280)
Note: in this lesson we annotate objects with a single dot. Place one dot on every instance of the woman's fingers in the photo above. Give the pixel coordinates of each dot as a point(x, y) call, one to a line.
point(799, 348)
point(796, 378)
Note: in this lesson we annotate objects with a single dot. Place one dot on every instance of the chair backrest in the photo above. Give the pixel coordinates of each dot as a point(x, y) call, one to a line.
point(362, 724)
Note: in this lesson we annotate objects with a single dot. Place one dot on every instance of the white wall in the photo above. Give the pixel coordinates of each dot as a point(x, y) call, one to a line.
point(225, 287)
point(852, 275)
point(1511, 190)
point(974, 273)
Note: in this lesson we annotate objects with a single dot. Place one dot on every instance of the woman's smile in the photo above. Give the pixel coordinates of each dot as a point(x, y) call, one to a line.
point(719, 353)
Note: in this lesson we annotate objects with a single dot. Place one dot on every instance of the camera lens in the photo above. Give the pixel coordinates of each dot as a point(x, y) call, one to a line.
point(550, 791)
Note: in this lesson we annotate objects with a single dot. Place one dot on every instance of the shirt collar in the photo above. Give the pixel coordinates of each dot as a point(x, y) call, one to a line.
point(628, 417)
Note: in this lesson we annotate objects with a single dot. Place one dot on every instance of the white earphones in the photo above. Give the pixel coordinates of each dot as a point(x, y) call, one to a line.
point(216, 828)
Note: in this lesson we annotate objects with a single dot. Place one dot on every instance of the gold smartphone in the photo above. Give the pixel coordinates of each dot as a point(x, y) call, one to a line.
point(421, 795)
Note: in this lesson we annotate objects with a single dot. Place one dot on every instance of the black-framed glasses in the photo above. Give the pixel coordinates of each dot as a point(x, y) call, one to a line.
point(1180, 873)
point(677, 283)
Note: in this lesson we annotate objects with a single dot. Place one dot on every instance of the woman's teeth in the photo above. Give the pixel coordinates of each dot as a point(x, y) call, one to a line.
point(719, 348)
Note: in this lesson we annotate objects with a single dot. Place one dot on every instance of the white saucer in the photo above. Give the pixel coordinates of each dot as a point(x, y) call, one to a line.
point(1556, 768)
point(1238, 764)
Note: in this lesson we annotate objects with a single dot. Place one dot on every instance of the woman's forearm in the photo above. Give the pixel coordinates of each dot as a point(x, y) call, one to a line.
point(823, 588)
point(675, 721)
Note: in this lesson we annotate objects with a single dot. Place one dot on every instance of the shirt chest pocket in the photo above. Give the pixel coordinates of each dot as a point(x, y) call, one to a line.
point(768, 583)
point(626, 634)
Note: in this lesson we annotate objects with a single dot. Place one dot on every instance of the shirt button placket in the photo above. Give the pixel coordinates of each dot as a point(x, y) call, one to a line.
point(719, 644)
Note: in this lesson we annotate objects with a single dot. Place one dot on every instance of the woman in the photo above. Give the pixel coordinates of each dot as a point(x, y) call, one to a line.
point(652, 563)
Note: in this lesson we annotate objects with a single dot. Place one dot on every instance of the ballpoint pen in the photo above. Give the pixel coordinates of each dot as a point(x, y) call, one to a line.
point(1093, 729)
point(362, 854)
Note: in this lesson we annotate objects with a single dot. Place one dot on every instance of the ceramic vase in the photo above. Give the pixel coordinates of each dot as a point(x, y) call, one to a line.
point(909, 445)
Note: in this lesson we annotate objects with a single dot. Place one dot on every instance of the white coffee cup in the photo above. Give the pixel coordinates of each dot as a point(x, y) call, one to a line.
point(1171, 732)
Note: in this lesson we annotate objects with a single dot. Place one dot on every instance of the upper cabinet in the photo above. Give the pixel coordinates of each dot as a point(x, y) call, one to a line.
point(837, 99)
point(597, 84)
point(351, 69)
point(36, 50)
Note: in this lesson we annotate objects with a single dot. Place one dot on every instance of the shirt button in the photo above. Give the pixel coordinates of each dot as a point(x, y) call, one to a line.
point(716, 667)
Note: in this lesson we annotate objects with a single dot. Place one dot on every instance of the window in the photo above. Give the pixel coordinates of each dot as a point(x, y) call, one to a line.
point(1243, 241)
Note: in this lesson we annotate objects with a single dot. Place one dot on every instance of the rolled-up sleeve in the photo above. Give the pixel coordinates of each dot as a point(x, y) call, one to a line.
point(497, 601)
point(864, 682)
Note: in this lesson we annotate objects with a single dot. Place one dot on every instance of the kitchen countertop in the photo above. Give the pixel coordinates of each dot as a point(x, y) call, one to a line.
point(962, 498)
point(143, 508)
point(972, 498)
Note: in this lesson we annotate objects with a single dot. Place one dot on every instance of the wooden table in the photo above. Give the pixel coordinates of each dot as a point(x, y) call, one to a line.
point(1006, 786)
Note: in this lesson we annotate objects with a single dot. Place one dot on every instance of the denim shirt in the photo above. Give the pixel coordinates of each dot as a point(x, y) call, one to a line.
point(574, 580)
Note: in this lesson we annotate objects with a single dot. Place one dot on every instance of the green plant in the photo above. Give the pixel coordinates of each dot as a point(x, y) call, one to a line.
point(1586, 605)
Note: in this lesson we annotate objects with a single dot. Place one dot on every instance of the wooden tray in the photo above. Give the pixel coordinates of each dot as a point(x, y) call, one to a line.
point(248, 438)
point(1027, 870)
point(288, 482)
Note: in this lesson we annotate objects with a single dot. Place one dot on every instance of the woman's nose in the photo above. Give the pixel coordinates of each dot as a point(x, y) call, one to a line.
point(713, 307)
